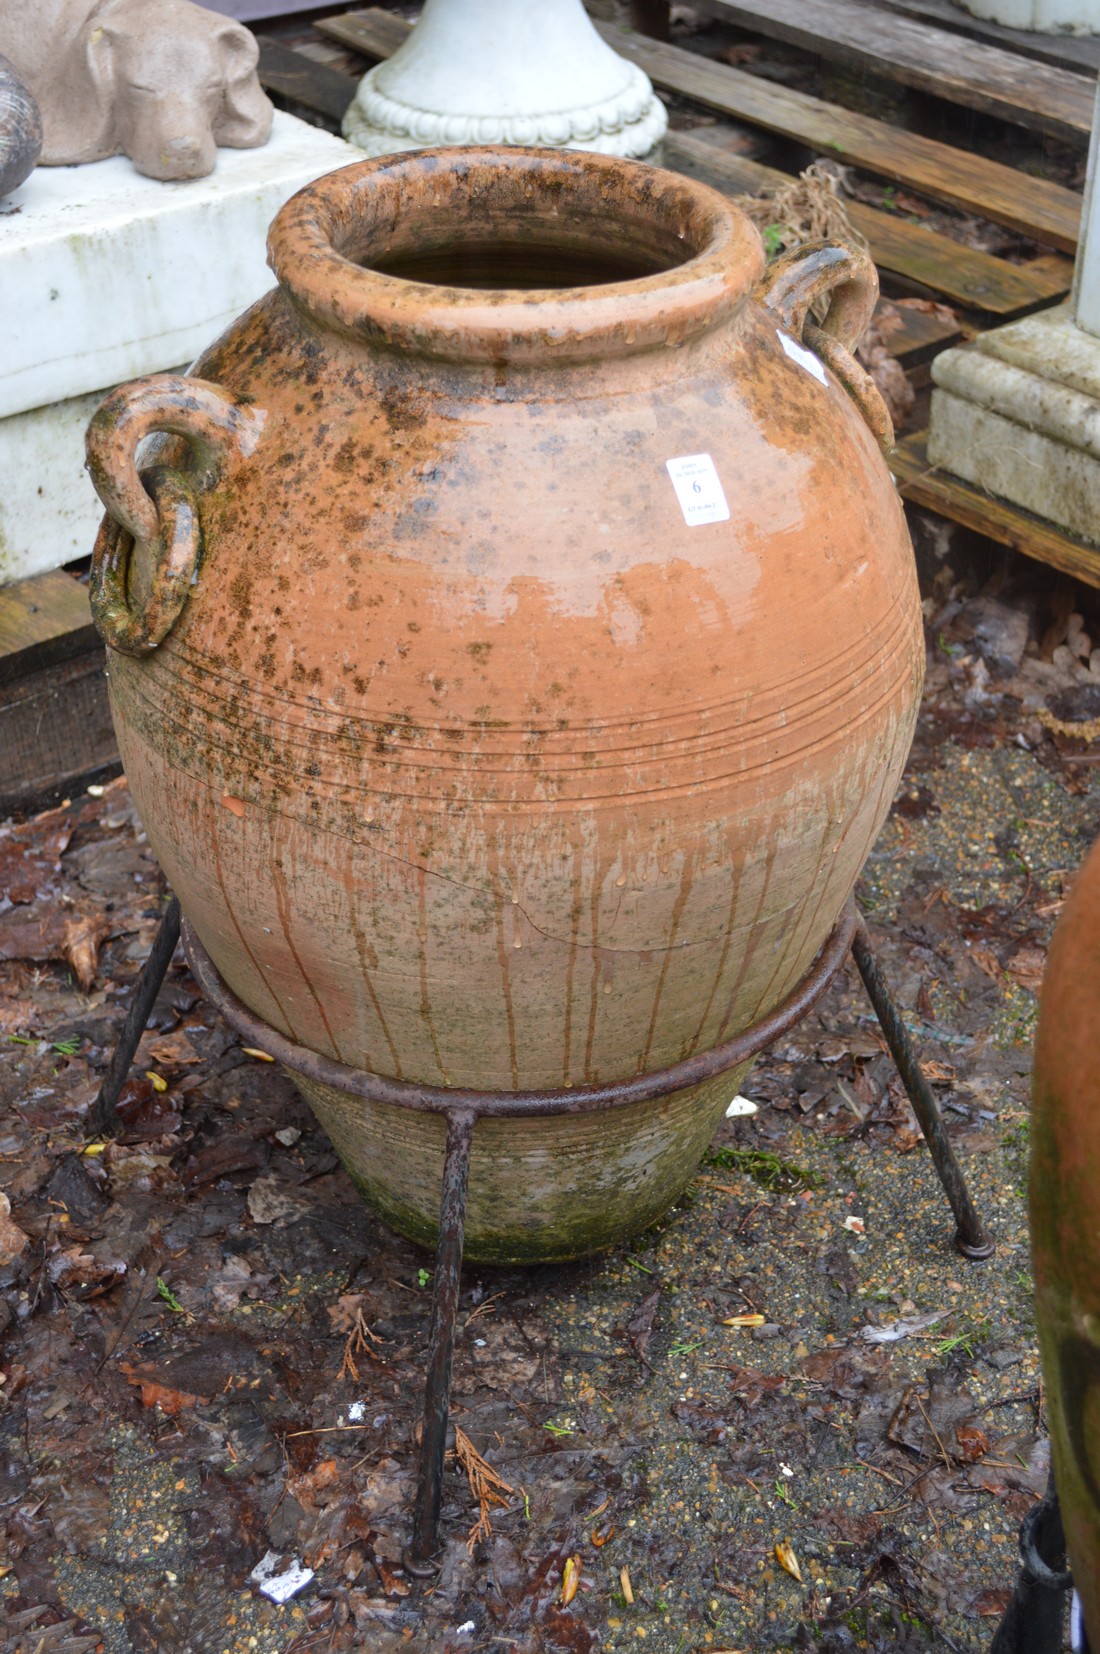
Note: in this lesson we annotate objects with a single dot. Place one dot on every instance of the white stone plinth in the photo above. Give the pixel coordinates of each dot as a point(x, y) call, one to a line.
point(1017, 412)
point(1042, 16)
point(105, 275)
point(506, 72)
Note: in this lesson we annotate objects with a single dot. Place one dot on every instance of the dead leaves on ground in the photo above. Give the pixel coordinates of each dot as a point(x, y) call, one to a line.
point(347, 1316)
point(154, 1393)
point(486, 1486)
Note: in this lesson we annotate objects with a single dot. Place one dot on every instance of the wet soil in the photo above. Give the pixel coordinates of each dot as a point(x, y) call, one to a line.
point(791, 1416)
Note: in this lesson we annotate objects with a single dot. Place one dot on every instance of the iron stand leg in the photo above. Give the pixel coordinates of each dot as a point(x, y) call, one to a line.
point(971, 1238)
point(437, 1391)
point(1034, 1618)
point(103, 1117)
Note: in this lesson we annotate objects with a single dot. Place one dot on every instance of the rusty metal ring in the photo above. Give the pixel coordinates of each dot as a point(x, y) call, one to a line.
point(641, 1088)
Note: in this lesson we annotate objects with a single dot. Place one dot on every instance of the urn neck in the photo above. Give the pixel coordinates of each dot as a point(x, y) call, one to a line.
point(501, 256)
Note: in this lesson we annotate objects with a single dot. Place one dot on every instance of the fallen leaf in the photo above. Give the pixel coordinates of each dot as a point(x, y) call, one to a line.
point(80, 946)
point(393, 1582)
point(1026, 968)
point(74, 1268)
point(570, 1579)
point(787, 1559)
point(987, 961)
point(973, 1443)
point(640, 1326)
point(13, 1241)
point(155, 1394)
point(747, 1382)
point(269, 1202)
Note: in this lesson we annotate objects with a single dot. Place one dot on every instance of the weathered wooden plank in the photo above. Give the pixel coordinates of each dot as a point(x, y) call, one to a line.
point(55, 721)
point(962, 503)
point(975, 280)
point(895, 47)
point(301, 80)
point(1080, 54)
point(43, 620)
point(374, 32)
point(1033, 206)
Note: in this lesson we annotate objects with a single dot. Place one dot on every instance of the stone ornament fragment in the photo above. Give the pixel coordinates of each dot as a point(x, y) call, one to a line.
point(162, 81)
point(20, 130)
point(506, 72)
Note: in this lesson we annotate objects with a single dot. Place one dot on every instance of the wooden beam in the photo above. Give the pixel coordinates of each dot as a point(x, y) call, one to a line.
point(975, 280)
point(961, 502)
point(930, 59)
point(55, 721)
point(1035, 207)
point(299, 79)
point(1080, 54)
point(374, 32)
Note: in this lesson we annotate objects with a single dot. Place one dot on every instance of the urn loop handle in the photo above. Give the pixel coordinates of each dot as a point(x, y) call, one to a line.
point(846, 276)
point(149, 547)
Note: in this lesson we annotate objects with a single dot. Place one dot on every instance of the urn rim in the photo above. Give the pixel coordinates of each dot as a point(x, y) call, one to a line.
point(693, 256)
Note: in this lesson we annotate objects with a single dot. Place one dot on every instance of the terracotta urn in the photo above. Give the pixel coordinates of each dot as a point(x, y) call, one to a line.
point(1065, 1223)
point(514, 645)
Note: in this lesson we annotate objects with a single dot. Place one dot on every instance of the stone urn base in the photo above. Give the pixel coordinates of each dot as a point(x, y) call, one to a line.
point(1018, 413)
point(506, 72)
point(1039, 16)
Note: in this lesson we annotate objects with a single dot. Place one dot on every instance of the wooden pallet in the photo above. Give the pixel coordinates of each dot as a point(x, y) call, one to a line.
point(55, 722)
point(933, 262)
point(1078, 53)
point(919, 256)
point(918, 54)
point(1008, 524)
point(1034, 207)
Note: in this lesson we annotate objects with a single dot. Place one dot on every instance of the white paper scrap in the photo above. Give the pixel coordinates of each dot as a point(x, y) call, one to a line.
point(798, 353)
point(280, 1587)
point(698, 489)
point(741, 1105)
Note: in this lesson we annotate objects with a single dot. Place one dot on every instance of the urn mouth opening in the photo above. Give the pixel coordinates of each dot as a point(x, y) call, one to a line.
point(514, 255)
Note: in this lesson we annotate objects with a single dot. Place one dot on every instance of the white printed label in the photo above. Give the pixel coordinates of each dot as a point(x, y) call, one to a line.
point(698, 489)
point(798, 353)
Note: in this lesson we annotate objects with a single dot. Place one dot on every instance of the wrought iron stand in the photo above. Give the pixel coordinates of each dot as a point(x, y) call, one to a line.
point(462, 1110)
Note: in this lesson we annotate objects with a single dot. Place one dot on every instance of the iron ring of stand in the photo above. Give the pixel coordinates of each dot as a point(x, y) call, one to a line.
point(462, 1109)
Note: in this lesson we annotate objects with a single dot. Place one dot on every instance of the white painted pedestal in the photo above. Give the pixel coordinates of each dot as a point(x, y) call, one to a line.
point(105, 275)
point(1017, 412)
point(506, 72)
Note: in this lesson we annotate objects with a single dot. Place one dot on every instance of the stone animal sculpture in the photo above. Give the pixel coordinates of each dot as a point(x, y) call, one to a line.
point(20, 130)
point(162, 81)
